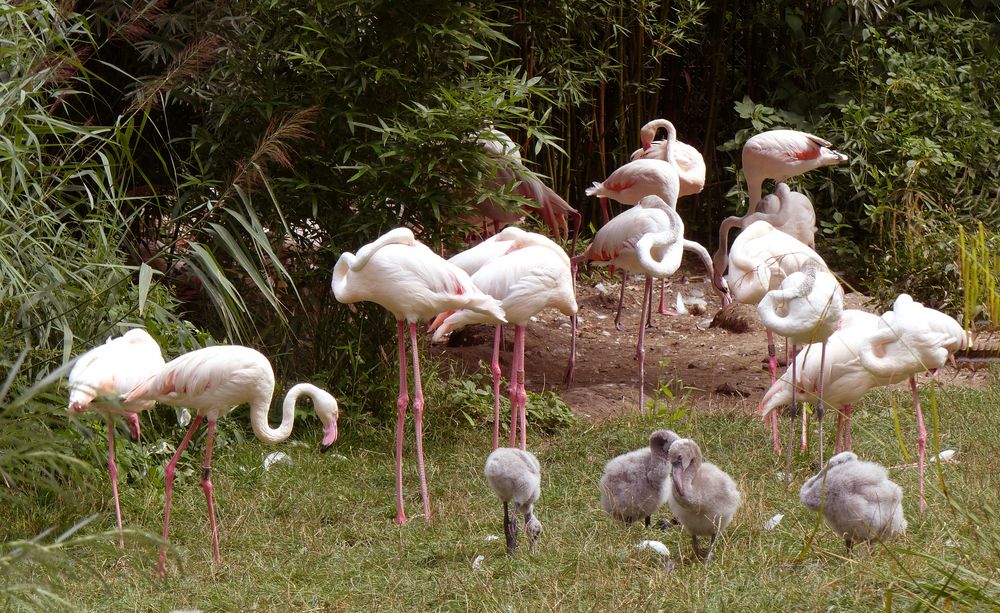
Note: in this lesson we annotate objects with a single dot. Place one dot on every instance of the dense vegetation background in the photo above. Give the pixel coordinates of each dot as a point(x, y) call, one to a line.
point(197, 167)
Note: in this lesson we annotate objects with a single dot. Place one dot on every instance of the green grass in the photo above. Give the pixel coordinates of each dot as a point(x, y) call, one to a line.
point(319, 534)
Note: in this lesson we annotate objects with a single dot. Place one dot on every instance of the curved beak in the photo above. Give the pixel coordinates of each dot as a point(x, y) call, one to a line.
point(329, 436)
point(677, 476)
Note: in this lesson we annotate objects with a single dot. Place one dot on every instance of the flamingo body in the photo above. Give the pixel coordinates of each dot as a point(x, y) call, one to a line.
point(689, 162)
point(634, 181)
point(780, 154)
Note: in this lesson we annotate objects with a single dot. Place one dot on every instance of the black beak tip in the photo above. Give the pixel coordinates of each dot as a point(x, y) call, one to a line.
point(325, 448)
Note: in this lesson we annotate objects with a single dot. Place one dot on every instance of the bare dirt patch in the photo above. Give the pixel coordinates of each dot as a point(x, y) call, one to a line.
point(718, 368)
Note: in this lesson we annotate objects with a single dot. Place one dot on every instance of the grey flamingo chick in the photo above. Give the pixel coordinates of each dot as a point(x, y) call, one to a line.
point(516, 477)
point(857, 499)
point(701, 496)
point(634, 484)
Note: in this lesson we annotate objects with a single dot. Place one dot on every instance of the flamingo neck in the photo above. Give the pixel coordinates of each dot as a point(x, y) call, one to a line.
point(260, 409)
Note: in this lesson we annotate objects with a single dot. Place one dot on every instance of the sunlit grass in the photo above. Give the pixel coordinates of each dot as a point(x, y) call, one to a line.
point(319, 534)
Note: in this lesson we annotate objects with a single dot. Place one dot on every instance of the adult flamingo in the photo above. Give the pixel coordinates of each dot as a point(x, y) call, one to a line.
point(647, 239)
point(760, 259)
point(805, 309)
point(525, 281)
point(413, 283)
point(689, 162)
point(113, 369)
point(212, 382)
point(788, 211)
point(781, 154)
point(473, 259)
point(510, 169)
point(846, 379)
point(911, 339)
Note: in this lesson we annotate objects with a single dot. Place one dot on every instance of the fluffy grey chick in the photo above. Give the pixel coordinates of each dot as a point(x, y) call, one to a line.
point(701, 496)
point(516, 477)
point(634, 485)
point(860, 503)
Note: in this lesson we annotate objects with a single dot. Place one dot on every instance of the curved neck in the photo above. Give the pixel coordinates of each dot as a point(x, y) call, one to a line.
point(260, 409)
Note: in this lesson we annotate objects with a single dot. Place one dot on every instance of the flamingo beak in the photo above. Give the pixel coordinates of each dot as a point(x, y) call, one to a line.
point(329, 436)
point(676, 475)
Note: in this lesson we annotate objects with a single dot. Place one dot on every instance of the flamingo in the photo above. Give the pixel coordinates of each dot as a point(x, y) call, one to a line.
point(647, 239)
point(781, 154)
point(806, 309)
point(760, 259)
point(689, 162)
point(846, 379)
point(525, 281)
point(910, 339)
point(212, 382)
point(113, 369)
point(788, 211)
point(413, 283)
point(551, 206)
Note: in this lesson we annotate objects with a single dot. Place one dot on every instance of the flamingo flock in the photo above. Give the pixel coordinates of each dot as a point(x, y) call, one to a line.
point(837, 355)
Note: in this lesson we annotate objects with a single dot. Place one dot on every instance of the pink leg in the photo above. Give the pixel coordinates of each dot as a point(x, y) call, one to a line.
point(819, 401)
point(921, 440)
point(621, 299)
point(418, 414)
point(522, 395)
point(206, 485)
point(772, 365)
point(839, 446)
point(604, 210)
point(113, 472)
point(847, 427)
point(401, 404)
point(640, 349)
point(133, 426)
point(168, 474)
point(515, 392)
point(568, 379)
point(495, 368)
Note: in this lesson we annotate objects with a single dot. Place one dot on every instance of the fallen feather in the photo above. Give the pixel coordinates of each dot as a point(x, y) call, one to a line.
point(276, 457)
point(681, 309)
point(772, 523)
point(656, 546)
point(492, 537)
point(183, 417)
point(944, 456)
point(478, 562)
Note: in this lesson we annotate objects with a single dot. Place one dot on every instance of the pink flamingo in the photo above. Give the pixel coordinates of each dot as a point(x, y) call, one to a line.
point(526, 281)
point(846, 379)
point(806, 309)
point(212, 382)
point(113, 369)
point(690, 164)
point(413, 283)
point(473, 259)
point(510, 169)
point(760, 259)
point(647, 239)
point(781, 154)
point(911, 339)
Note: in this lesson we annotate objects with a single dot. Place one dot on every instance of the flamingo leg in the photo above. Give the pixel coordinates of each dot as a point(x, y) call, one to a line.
point(571, 366)
point(847, 427)
point(206, 485)
point(640, 350)
point(418, 415)
point(133, 426)
point(772, 366)
point(791, 431)
point(168, 477)
point(604, 210)
point(819, 401)
point(515, 392)
point(401, 404)
point(921, 440)
point(522, 396)
point(839, 445)
point(113, 473)
point(621, 299)
point(495, 368)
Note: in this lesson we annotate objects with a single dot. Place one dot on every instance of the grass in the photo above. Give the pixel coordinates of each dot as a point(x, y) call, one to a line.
point(318, 535)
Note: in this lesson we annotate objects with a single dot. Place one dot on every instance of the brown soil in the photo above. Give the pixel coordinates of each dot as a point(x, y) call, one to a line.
point(717, 367)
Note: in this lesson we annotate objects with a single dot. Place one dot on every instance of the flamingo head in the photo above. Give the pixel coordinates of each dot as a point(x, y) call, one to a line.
point(328, 412)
